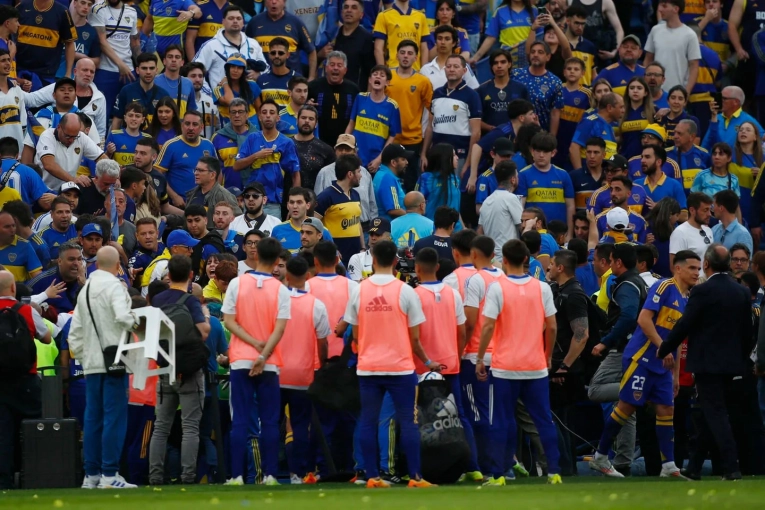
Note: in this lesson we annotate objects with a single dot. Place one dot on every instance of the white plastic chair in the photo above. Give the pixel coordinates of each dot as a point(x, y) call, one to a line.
point(135, 350)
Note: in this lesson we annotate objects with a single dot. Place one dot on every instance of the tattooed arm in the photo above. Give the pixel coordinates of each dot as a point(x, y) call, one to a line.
point(578, 341)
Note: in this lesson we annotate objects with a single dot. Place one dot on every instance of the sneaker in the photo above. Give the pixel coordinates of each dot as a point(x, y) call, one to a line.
point(495, 482)
point(519, 470)
point(420, 484)
point(603, 465)
point(673, 472)
point(471, 476)
point(115, 482)
point(270, 480)
point(395, 479)
point(509, 475)
point(310, 478)
point(234, 482)
point(91, 482)
point(377, 483)
point(295, 479)
point(360, 478)
point(690, 475)
point(554, 479)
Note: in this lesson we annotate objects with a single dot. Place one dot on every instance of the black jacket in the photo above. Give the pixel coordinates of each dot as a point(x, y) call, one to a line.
point(718, 324)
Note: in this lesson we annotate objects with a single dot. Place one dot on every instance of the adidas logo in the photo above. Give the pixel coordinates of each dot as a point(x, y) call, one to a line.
point(363, 112)
point(488, 97)
point(185, 155)
point(675, 303)
point(209, 16)
point(123, 147)
point(378, 304)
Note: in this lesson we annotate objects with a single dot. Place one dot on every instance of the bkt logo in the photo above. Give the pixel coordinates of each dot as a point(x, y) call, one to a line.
point(378, 304)
point(448, 417)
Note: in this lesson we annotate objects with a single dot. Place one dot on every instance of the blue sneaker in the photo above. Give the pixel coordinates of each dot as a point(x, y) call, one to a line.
point(509, 475)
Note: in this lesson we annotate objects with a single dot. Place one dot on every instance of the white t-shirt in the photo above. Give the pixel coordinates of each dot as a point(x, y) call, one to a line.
point(674, 48)
point(242, 225)
point(688, 237)
point(360, 266)
point(209, 110)
point(500, 217)
point(68, 158)
point(14, 118)
point(493, 306)
point(229, 307)
point(459, 307)
point(437, 75)
point(118, 36)
point(320, 324)
point(243, 267)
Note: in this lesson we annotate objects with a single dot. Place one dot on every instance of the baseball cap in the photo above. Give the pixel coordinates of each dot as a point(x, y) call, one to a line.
point(657, 131)
point(616, 161)
point(255, 186)
point(394, 151)
point(503, 147)
point(236, 60)
point(379, 226)
point(315, 223)
point(633, 38)
point(181, 238)
point(69, 185)
point(92, 228)
point(347, 140)
point(618, 219)
point(64, 81)
point(234, 190)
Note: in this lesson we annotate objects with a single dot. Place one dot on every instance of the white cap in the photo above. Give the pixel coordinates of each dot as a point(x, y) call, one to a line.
point(69, 185)
point(618, 219)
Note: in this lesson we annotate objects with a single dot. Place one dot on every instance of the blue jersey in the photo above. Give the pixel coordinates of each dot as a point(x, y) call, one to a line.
point(274, 86)
point(535, 269)
point(547, 190)
point(710, 72)
point(226, 150)
point(486, 143)
point(485, 185)
point(584, 186)
point(470, 22)
point(600, 201)
point(631, 131)
point(494, 101)
point(617, 75)
point(24, 180)
point(20, 259)
point(187, 95)
point(545, 93)
point(271, 170)
point(374, 124)
point(53, 238)
point(87, 43)
point(264, 29)
point(166, 26)
point(594, 125)
point(635, 169)
point(234, 243)
point(132, 93)
point(141, 258)
point(715, 37)
point(178, 159)
point(436, 194)
point(208, 24)
point(575, 103)
point(671, 124)
point(690, 163)
point(289, 236)
point(76, 373)
point(65, 302)
point(637, 225)
point(164, 136)
point(52, 115)
point(511, 29)
point(125, 144)
point(549, 246)
point(668, 304)
point(41, 37)
point(666, 187)
point(389, 194)
point(255, 93)
point(41, 249)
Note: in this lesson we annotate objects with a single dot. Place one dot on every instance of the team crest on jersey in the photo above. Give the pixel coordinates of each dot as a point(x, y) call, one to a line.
point(544, 89)
point(455, 107)
point(156, 182)
point(637, 394)
point(85, 35)
point(169, 11)
point(636, 197)
point(12, 257)
point(288, 28)
point(235, 248)
point(155, 102)
point(656, 299)
point(94, 107)
point(482, 187)
point(17, 99)
point(38, 19)
point(77, 150)
point(417, 26)
point(127, 19)
point(642, 115)
point(697, 161)
point(413, 88)
point(577, 101)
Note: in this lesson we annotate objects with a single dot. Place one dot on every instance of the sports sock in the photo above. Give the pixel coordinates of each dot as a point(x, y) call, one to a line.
point(665, 432)
point(613, 425)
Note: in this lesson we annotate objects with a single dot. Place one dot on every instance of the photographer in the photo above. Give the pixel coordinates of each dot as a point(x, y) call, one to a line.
point(101, 317)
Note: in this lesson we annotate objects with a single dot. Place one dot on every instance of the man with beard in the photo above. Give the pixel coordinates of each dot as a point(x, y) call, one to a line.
point(617, 75)
point(254, 217)
point(610, 229)
point(146, 150)
point(545, 89)
point(312, 152)
point(333, 97)
point(600, 125)
point(600, 201)
point(576, 17)
point(498, 93)
point(147, 249)
point(339, 206)
point(180, 88)
point(145, 90)
point(695, 233)
point(289, 232)
point(195, 71)
point(274, 82)
point(207, 191)
point(656, 183)
point(91, 239)
point(297, 90)
point(654, 77)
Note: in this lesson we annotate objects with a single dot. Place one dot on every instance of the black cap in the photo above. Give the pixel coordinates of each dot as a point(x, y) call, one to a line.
point(503, 147)
point(394, 151)
point(379, 226)
point(64, 81)
point(256, 65)
point(616, 161)
point(255, 186)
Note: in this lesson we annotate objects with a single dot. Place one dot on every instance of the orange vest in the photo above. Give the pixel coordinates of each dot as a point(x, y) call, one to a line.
point(475, 339)
point(256, 311)
point(519, 333)
point(438, 333)
point(300, 341)
point(334, 294)
point(384, 344)
point(148, 395)
point(463, 273)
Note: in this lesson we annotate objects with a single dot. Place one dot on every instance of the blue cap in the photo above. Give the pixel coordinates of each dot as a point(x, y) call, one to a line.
point(92, 228)
point(379, 226)
point(181, 238)
point(236, 60)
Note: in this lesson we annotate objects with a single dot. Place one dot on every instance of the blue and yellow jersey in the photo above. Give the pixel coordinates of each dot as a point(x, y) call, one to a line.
point(617, 75)
point(637, 227)
point(665, 187)
point(125, 143)
point(177, 160)
point(692, 11)
point(485, 185)
point(428, 8)
point(586, 51)
point(289, 236)
point(374, 124)
point(167, 28)
point(690, 163)
point(575, 103)
point(715, 37)
point(342, 217)
point(463, 43)
point(600, 201)
point(631, 130)
point(547, 190)
point(274, 86)
point(595, 126)
point(263, 29)
point(746, 181)
point(670, 168)
point(389, 195)
point(208, 24)
point(20, 258)
point(41, 37)
point(133, 92)
point(226, 150)
point(272, 170)
point(50, 116)
point(41, 249)
point(668, 304)
point(187, 96)
point(710, 71)
point(394, 26)
point(671, 124)
point(255, 92)
point(53, 238)
point(511, 28)
point(584, 186)
point(288, 121)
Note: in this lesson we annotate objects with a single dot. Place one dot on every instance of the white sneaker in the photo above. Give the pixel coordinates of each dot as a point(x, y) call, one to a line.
point(270, 480)
point(115, 482)
point(603, 465)
point(672, 471)
point(91, 482)
point(234, 482)
point(295, 479)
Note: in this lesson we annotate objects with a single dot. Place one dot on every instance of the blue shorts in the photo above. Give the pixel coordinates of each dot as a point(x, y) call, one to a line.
point(640, 386)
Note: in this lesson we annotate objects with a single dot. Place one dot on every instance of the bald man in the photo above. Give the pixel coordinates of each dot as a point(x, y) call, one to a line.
point(90, 100)
point(106, 301)
point(412, 226)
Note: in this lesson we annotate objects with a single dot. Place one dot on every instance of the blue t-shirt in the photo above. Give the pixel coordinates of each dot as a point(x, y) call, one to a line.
point(584, 186)
point(546, 190)
point(594, 126)
point(289, 236)
point(546, 93)
point(133, 92)
point(125, 144)
point(494, 101)
point(63, 303)
point(575, 103)
point(24, 180)
point(485, 185)
point(178, 159)
point(666, 187)
point(617, 75)
point(271, 170)
point(549, 246)
point(587, 278)
point(436, 194)
point(637, 225)
point(87, 43)
point(535, 269)
point(171, 296)
point(374, 124)
point(410, 227)
point(389, 194)
point(486, 143)
point(188, 97)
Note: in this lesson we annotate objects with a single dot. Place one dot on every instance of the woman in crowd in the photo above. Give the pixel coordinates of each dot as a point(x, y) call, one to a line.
point(669, 118)
point(148, 204)
point(747, 161)
point(236, 84)
point(166, 123)
point(718, 177)
point(438, 184)
point(638, 113)
point(662, 220)
point(446, 14)
point(522, 156)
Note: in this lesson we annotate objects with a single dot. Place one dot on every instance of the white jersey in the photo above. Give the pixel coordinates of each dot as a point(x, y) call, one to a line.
point(360, 266)
point(13, 112)
point(308, 12)
point(437, 75)
point(209, 111)
point(242, 225)
point(118, 29)
point(68, 158)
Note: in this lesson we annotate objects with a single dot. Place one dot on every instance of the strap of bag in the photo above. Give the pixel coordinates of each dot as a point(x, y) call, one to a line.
point(92, 319)
point(122, 11)
point(7, 176)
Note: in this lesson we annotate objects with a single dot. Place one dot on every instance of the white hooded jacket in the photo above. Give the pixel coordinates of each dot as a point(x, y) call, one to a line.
point(214, 53)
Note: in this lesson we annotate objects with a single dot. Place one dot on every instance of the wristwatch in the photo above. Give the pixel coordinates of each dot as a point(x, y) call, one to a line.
point(563, 366)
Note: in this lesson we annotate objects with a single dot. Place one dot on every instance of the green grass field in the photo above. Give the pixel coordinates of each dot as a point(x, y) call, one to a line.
point(578, 493)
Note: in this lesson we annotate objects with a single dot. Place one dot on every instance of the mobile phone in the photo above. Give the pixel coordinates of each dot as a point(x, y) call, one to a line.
point(717, 98)
point(541, 11)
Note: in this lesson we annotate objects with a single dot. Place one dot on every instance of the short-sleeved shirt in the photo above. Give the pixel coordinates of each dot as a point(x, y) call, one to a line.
point(485, 185)
point(665, 187)
point(500, 215)
point(394, 26)
point(208, 24)
point(271, 170)
point(547, 190)
point(585, 186)
point(133, 93)
point(289, 236)
point(494, 101)
point(53, 238)
point(442, 245)
point(734, 233)
point(709, 183)
point(675, 48)
point(342, 217)
point(185, 98)
point(171, 296)
point(601, 200)
point(125, 143)
point(587, 52)
point(690, 163)
point(389, 195)
point(119, 26)
point(637, 226)
point(688, 237)
point(274, 86)
point(412, 95)
point(263, 29)
point(177, 160)
point(374, 124)
point(569, 308)
point(511, 28)
point(409, 228)
point(617, 75)
point(545, 93)
point(68, 158)
point(166, 25)
point(87, 43)
point(20, 258)
point(575, 104)
point(41, 37)
point(24, 180)
point(255, 93)
point(594, 126)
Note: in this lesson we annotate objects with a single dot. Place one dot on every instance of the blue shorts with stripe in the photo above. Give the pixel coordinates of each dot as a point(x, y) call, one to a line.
point(640, 386)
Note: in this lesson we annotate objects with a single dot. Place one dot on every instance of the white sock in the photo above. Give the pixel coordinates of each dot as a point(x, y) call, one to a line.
point(669, 465)
point(599, 455)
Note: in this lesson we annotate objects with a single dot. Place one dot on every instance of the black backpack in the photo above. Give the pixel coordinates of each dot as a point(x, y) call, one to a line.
point(18, 352)
point(191, 353)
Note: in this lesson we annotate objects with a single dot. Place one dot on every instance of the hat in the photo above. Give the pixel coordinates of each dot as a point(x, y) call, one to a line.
point(315, 223)
point(69, 185)
point(64, 81)
point(379, 226)
point(348, 140)
point(92, 228)
point(236, 60)
point(503, 147)
point(616, 161)
point(618, 219)
point(633, 38)
point(255, 186)
point(657, 131)
point(181, 238)
point(234, 190)
point(393, 151)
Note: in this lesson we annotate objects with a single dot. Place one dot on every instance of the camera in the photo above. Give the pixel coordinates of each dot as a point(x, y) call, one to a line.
point(405, 266)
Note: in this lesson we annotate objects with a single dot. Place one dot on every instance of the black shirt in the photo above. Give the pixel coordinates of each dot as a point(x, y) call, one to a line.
point(359, 48)
point(91, 200)
point(335, 103)
point(314, 155)
point(443, 245)
point(571, 302)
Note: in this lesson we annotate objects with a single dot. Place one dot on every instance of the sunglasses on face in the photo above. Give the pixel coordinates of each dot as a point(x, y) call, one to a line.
point(277, 53)
point(252, 195)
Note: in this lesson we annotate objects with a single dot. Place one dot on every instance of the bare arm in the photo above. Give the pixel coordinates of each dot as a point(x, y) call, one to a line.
point(734, 22)
point(424, 53)
point(645, 321)
point(575, 155)
point(647, 59)
point(578, 341)
point(351, 127)
point(148, 24)
point(312, 65)
point(191, 38)
point(461, 338)
point(50, 165)
point(323, 347)
point(69, 50)
point(554, 121)
point(106, 49)
point(570, 211)
point(551, 331)
point(609, 9)
point(693, 74)
point(488, 42)
point(379, 52)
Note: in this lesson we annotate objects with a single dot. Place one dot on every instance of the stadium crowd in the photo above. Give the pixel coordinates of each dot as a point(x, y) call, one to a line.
point(555, 205)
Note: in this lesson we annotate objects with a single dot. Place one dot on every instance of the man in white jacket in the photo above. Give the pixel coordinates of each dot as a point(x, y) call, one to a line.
point(107, 396)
